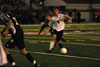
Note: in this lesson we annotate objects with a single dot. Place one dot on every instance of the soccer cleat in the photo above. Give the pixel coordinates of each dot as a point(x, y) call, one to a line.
point(36, 65)
point(63, 40)
point(14, 66)
point(49, 51)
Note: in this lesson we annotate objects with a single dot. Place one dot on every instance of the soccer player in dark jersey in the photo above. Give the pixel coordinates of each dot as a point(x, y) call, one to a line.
point(17, 36)
point(45, 24)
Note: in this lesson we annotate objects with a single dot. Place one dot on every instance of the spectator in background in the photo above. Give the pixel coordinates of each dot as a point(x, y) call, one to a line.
point(78, 17)
point(98, 16)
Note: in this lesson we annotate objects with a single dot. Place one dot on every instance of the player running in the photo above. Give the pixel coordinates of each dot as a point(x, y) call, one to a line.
point(17, 36)
point(45, 24)
point(57, 23)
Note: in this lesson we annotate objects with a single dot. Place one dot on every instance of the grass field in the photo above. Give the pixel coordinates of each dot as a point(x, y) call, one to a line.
point(83, 47)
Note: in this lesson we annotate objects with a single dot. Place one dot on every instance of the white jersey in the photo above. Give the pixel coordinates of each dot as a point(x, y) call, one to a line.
point(57, 22)
point(3, 59)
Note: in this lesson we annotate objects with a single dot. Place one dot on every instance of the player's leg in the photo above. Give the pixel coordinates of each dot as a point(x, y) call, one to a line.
point(9, 45)
point(29, 57)
point(59, 39)
point(21, 46)
point(63, 40)
point(51, 31)
point(60, 44)
point(19, 41)
point(10, 58)
point(42, 27)
point(52, 43)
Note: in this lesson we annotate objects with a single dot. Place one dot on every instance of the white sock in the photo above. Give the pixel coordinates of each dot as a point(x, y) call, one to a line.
point(51, 45)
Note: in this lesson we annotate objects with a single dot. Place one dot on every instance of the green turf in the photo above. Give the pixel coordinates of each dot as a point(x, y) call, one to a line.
point(81, 45)
point(76, 47)
point(91, 26)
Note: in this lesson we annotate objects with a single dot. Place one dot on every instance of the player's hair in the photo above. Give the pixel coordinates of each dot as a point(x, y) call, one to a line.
point(49, 14)
point(5, 8)
point(56, 8)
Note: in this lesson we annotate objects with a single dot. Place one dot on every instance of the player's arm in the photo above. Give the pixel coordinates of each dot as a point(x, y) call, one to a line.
point(67, 16)
point(42, 23)
point(47, 31)
point(50, 25)
point(8, 26)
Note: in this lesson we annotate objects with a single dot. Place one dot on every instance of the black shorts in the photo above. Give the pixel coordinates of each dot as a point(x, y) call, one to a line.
point(59, 35)
point(16, 40)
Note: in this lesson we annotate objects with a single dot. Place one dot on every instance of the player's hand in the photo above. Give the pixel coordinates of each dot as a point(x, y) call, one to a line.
point(42, 23)
point(6, 34)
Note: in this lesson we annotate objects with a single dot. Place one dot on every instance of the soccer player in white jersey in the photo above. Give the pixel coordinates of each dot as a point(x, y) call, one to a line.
point(3, 59)
point(58, 25)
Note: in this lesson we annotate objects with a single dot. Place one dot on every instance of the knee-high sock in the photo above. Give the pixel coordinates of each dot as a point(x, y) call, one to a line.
point(60, 45)
point(51, 45)
point(30, 58)
point(10, 59)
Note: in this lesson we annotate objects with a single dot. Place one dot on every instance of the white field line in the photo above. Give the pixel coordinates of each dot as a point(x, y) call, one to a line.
point(59, 55)
point(85, 44)
point(43, 41)
point(79, 35)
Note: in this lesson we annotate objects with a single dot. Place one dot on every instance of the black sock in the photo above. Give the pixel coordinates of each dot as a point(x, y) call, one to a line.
point(29, 57)
point(60, 45)
point(10, 58)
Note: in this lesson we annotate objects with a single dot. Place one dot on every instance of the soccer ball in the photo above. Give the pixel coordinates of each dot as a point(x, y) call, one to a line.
point(63, 51)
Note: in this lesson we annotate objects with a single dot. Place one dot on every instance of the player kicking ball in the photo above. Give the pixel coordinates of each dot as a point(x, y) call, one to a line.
point(17, 36)
point(57, 23)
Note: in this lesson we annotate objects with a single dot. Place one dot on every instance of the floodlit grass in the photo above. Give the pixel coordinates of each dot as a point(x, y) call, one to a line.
point(83, 49)
point(92, 26)
point(76, 47)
